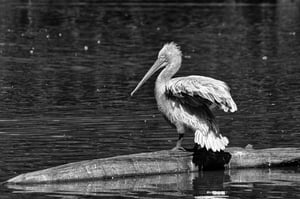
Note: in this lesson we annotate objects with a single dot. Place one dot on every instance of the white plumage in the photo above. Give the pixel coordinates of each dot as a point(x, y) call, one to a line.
point(186, 102)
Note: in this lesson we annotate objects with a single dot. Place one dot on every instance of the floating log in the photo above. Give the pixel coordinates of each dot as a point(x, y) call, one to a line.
point(161, 162)
point(168, 184)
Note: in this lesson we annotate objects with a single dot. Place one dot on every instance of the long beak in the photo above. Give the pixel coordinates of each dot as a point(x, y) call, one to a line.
point(159, 63)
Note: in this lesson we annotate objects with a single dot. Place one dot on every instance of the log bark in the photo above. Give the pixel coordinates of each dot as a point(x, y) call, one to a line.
point(161, 162)
point(167, 185)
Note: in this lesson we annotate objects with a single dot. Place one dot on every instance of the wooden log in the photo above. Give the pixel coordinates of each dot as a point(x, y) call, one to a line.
point(161, 162)
point(168, 185)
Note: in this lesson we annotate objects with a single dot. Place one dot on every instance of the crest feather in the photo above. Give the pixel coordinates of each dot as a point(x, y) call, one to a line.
point(171, 47)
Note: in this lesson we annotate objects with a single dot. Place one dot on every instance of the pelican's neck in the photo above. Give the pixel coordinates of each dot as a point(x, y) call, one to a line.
point(169, 71)
point(165, 75)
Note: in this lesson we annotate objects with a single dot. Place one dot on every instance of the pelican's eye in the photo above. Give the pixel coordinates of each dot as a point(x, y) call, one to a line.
point(163, 57)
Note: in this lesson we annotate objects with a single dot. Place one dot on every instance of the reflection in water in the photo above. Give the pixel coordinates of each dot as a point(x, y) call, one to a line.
point(67, 68)
point(212, 184)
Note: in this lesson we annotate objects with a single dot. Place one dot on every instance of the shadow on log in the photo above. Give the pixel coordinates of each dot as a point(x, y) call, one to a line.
point(161, 162)
point(209, 160)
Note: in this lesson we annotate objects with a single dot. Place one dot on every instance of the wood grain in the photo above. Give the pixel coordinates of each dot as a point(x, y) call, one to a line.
point(162, 162)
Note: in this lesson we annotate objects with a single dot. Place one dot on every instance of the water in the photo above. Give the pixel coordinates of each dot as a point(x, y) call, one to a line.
point(67, 68)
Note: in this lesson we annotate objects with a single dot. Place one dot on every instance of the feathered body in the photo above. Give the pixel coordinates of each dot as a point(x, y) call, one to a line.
point(186, 102)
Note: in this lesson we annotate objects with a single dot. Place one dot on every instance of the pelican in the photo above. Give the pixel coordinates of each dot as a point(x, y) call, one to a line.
point(187, 102)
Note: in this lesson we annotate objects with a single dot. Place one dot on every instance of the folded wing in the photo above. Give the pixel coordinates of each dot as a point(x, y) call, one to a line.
point(198, 89)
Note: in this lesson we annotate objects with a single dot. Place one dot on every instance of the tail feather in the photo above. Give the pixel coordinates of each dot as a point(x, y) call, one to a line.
point(211, 141)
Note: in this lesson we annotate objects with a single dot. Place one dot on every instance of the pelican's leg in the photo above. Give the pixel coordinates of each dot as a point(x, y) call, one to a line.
point(178, 146)
point(180, 130)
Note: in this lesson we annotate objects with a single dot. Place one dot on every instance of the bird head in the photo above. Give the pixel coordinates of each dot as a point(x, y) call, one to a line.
point(169, 53)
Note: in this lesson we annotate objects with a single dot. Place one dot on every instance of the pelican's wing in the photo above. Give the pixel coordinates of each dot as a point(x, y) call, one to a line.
point(198, 89)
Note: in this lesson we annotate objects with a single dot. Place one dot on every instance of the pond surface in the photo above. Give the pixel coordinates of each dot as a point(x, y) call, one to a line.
point(67, 69)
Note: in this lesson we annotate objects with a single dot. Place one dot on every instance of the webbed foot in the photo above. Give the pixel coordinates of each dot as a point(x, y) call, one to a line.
point(178, 148)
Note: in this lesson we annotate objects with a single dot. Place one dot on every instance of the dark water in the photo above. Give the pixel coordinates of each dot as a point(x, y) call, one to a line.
point(67, 68)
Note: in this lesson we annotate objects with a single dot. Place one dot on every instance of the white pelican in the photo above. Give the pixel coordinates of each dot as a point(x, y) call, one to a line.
point(186, 102)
